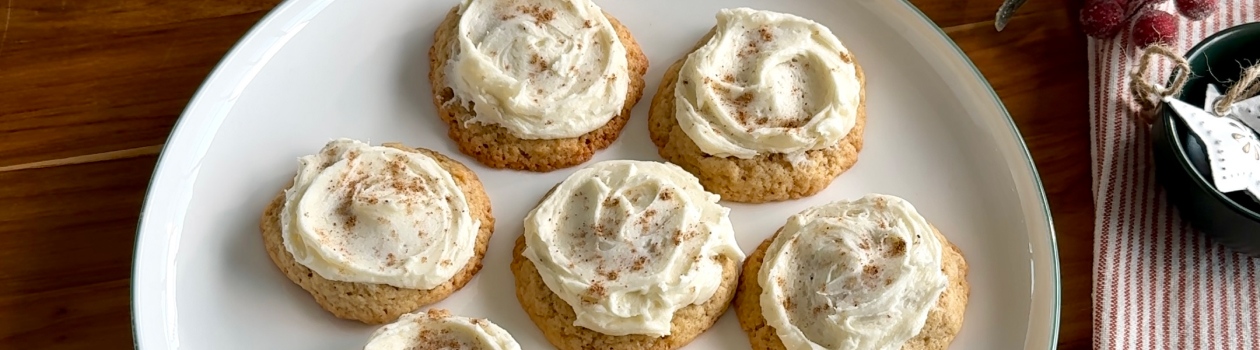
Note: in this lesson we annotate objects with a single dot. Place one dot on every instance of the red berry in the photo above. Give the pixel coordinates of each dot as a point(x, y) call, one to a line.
point(1154, 27)
point(1102, 18)
point(1196, 9)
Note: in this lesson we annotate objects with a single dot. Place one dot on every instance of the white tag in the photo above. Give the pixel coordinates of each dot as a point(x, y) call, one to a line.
point(1233, 149)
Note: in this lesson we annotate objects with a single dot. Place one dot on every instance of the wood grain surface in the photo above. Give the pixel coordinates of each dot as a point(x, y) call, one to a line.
point(89, 90)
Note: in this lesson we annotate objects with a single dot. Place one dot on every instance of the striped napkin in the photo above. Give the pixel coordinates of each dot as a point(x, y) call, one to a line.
point(1158, 284)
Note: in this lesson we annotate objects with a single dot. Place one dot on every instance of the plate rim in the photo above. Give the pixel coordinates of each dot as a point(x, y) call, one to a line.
point(297, 12)
point(1052, 245)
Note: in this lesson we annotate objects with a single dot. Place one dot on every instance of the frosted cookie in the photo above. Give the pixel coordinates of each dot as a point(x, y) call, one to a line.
point(767, 107)
point(864, 274)
point(438, 329)
point(373, 232)
point(626, 255)
point(534, 84)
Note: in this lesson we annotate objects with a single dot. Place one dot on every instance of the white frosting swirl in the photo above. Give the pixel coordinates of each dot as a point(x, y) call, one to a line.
point(628, 243)
point(438, 329)
point(375, 214)
point(767, 82)
point(859, 274)
point(542, 69)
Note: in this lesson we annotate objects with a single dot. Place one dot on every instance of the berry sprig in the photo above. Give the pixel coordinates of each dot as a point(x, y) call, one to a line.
point(1105, 18)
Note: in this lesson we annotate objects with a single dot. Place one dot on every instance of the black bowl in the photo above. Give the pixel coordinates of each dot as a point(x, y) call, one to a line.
point(1180, 160)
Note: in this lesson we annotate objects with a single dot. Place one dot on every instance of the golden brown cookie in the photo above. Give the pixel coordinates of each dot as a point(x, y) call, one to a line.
point(496, 146)
point(381, 303)
point(554, 317)
point(943, 323)
point(764, 178)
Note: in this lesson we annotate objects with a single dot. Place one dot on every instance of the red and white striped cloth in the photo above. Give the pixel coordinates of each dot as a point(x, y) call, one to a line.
point(1158, 284)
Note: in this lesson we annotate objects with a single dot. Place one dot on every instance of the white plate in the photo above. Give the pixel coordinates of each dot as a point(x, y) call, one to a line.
point(314, 70)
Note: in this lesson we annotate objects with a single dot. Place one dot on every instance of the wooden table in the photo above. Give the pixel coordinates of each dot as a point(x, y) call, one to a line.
point(89, 90)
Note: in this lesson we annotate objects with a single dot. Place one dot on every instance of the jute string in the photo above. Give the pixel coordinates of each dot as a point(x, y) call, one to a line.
point(1148, 95)
point(1246, 87)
